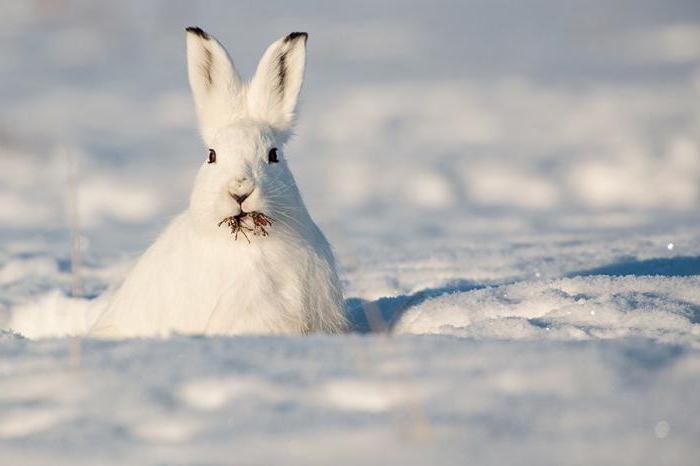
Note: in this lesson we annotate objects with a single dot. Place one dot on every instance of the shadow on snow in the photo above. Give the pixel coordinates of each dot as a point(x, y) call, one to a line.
point(378, 316)
point(682, 266)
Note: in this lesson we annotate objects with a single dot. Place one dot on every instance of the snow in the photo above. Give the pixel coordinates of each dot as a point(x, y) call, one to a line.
point(511, 189)
point(368, 400)
point(662, 308)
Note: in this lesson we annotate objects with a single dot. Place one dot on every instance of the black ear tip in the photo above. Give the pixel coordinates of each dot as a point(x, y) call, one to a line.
point(296, 35)
point(197, 31)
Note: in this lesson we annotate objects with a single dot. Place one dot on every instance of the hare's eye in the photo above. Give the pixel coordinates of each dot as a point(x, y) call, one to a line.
point(272, 156)
point(212, 156)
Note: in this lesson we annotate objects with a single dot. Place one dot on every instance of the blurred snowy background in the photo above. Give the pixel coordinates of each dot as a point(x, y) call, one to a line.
point(483, 169)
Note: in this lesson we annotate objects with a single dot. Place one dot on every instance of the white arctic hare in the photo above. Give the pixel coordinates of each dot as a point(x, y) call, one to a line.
point(245, 257)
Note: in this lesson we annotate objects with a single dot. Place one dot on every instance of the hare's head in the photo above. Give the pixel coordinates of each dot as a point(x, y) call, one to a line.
point(244, 126)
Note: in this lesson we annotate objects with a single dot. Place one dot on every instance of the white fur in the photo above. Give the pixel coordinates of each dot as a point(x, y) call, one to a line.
point(196, 278)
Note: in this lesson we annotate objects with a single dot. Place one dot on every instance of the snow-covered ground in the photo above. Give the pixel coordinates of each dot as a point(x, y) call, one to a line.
point(351, 400)
point(512, 190)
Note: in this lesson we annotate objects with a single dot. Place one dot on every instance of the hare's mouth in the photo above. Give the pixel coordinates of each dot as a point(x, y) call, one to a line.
point(255, 223)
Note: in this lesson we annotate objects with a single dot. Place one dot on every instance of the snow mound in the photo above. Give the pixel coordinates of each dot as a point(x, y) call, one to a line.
point(662, 308)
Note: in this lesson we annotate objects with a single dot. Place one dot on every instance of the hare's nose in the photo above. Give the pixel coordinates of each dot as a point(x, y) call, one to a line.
point(241, 188)
point(240, 197)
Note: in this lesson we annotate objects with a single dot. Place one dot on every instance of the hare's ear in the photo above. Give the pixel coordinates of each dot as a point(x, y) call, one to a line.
point(216, 85)
point(274, 89)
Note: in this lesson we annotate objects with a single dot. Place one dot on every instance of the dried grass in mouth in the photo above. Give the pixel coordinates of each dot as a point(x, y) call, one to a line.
point(237, 224)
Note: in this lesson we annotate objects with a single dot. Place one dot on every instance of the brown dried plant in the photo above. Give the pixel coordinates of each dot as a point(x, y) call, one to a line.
point(240, 224)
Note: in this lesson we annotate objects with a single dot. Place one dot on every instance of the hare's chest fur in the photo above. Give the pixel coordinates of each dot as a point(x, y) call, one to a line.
point(188, 283)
